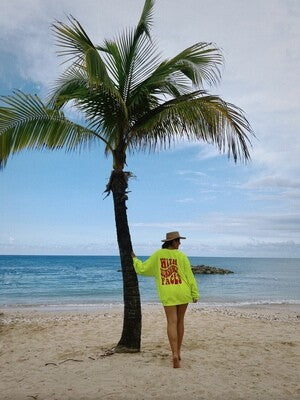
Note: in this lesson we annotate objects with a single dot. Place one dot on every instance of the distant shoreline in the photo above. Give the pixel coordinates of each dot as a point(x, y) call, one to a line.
point(145, 256)
point(101, 307)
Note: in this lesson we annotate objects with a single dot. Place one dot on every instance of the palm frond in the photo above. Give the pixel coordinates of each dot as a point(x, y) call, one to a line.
point(114, 62)
point(195, 116)
point(77, 45)
point(132, 57)
point(104, 109)
point(73, 84)
point(199, 63)
point(142, 65)
point(146, 19)
point(26, 123)
point(146, 96)
point(104, 113)
point(192, 67)
point(73, 39)
point(98, 104)
point(196, 64)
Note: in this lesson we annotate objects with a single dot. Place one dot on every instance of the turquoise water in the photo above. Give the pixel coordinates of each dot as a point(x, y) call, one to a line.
point(82, 280)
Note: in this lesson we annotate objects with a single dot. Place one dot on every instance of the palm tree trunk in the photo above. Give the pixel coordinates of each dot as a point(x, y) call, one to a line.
point(132, 321)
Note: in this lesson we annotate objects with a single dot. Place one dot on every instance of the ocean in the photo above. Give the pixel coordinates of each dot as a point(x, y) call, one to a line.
point(93, 281)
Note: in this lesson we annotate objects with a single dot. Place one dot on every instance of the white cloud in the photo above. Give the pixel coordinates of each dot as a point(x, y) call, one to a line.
point(272, 182)
point(25, 28)
point(257, 226)
point(253, 248)
point(224, 236)
point(190, 172)
point(208, 151)
point(277, 190)
point(186, 200)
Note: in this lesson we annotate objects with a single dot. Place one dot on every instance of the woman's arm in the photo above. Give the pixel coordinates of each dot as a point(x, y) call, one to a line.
point(147, 268)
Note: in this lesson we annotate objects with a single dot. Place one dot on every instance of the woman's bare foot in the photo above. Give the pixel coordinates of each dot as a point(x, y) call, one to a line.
point(176, 363)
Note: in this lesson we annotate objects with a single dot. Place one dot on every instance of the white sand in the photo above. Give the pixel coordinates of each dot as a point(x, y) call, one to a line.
point(228, 353)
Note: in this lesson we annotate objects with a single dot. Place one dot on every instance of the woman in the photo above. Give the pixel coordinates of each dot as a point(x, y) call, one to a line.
point(176, 286)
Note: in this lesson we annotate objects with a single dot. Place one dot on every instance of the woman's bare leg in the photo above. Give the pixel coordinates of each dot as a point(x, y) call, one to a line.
point(181, 309)
point(171, 314)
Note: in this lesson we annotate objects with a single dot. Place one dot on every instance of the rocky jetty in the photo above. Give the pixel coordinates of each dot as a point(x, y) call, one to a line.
point(205, 269)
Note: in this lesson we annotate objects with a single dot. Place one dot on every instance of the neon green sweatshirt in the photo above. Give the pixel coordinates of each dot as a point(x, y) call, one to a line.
point(174, 278)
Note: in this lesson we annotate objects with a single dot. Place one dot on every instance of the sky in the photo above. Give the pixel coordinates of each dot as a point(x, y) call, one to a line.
point(53, 203)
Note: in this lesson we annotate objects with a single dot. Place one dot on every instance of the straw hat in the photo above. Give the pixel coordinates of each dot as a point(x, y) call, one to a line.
point(172, 236)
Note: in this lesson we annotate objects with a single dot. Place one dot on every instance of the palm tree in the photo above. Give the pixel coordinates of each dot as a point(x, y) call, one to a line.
point(131, 100)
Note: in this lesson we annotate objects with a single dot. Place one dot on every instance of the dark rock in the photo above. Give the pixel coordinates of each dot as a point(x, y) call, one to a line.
point(205, 269)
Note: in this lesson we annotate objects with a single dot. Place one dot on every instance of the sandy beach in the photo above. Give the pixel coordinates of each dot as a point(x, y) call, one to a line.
point(228, 353)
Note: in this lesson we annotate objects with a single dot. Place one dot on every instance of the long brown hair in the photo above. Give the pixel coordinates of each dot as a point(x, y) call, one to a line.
point(167, 244)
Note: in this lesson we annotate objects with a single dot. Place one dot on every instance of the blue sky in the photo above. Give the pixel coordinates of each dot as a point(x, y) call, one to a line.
point(52, 203)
